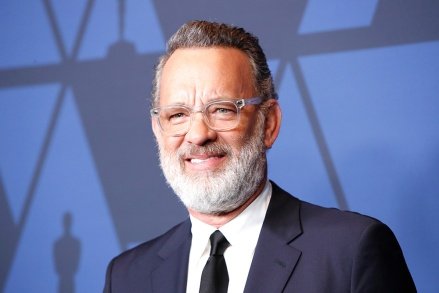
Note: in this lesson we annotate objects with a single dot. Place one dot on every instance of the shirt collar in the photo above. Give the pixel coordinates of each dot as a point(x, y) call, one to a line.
point(240, 231)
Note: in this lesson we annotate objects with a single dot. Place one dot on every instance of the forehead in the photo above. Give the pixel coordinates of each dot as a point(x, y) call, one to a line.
point(200, 72)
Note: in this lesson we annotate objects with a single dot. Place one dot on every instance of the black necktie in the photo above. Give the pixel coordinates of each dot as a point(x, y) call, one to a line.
point(215, 278)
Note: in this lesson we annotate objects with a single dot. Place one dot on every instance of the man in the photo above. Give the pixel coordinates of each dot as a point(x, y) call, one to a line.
point(214, 116)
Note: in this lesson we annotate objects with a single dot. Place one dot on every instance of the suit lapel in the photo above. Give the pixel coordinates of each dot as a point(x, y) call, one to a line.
point(171, 274)
point(274, 259)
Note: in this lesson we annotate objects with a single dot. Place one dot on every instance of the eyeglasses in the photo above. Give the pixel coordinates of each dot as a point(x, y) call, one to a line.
point(219, 115)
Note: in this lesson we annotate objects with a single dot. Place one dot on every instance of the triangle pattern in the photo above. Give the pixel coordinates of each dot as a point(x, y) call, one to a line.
point(26, 36)
point(102, 30)
point(322, 15)
point(143, 27)
point(69, 188)
point(24, 117)
point(294, 162)
point(69, 15)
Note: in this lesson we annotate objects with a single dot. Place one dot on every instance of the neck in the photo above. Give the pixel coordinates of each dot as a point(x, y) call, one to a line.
point(218, 220)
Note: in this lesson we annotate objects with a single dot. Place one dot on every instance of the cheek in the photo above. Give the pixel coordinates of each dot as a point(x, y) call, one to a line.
point(239, 136)
point(164, 141)
point(247, 127)
point(235, 139)
point(170, 144)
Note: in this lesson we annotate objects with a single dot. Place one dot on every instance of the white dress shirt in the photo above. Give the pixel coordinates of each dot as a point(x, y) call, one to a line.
point(242, 233)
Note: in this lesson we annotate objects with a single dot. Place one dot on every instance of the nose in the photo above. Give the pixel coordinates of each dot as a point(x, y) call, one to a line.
point(199, 133)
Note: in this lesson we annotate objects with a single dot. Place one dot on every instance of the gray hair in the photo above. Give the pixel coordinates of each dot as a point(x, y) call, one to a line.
point(204, 34)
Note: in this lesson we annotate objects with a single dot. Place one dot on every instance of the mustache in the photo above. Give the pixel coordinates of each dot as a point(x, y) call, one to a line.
point(211, 148)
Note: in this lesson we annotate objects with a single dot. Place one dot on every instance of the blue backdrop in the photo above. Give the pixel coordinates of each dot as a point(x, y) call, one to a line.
point(79, 179)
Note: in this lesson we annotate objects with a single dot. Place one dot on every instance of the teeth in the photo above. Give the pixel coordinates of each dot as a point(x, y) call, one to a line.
point(197, 161)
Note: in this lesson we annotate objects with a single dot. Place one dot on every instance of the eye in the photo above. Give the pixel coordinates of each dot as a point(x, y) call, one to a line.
point(175, 116)
point(222, 111)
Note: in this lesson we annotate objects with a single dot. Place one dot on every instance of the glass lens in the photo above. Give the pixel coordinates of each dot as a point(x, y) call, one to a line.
point(174, 119)
point(222, 115)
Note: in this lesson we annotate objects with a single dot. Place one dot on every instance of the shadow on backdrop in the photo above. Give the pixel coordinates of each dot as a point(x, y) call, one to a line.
point(112, 95)
point(67, 254)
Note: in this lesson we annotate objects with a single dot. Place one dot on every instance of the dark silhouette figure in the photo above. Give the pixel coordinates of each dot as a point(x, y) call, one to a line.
point(67, 250)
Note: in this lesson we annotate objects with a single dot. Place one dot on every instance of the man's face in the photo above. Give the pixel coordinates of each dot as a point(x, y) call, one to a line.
point(209, 170)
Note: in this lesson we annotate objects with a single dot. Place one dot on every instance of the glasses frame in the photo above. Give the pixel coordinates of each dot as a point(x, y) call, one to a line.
point(155, 113)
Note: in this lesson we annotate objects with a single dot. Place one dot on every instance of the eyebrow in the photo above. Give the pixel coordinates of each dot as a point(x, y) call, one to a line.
point(203, 104)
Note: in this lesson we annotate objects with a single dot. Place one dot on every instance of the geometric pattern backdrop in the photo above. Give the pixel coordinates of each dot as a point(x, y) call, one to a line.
point(79, 178)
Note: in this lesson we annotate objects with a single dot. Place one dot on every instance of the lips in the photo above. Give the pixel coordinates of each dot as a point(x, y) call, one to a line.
point(204, 162)
point(207, 158)
point(199, 158)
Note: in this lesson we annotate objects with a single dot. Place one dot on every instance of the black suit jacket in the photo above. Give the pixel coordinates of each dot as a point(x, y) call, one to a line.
point(302, 248)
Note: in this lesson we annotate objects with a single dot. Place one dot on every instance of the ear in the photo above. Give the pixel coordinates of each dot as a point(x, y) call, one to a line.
point(273, 120)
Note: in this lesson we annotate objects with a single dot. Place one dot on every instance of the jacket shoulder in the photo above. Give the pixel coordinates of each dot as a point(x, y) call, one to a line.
point(362, 252)
point(150, 249)
point(132, 267)
point(321, 218)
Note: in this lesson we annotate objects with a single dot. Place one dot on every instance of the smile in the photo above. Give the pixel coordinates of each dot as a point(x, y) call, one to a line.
point(204, 162)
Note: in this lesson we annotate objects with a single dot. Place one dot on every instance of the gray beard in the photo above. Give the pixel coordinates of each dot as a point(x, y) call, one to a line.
point(223, 190)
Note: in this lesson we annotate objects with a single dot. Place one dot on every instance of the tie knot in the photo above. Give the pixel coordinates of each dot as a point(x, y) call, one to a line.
point(218, 243)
